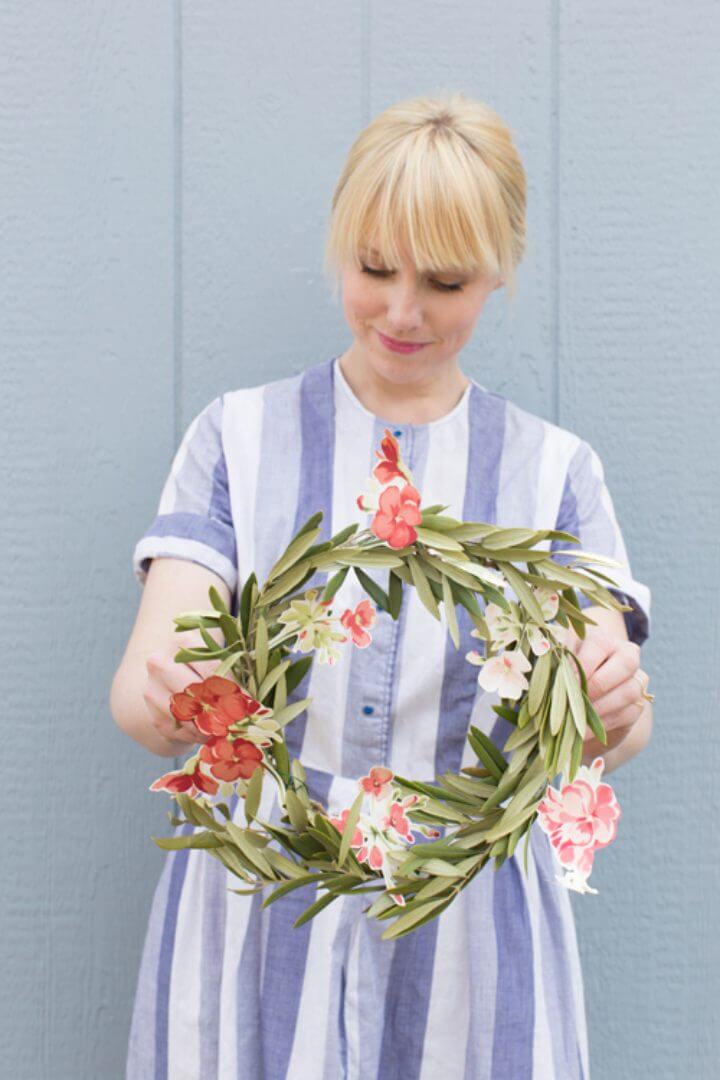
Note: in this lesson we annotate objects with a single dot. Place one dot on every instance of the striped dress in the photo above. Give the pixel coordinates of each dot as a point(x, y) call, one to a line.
point(493, 988)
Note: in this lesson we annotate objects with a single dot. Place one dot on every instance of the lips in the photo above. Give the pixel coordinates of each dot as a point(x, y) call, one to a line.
point(401, 346)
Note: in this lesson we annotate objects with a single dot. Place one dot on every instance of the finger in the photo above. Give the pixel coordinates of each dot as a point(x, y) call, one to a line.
point(166, 725)
point(594, 652)
point(620, 697)
point(617, 727)
point(621, 662)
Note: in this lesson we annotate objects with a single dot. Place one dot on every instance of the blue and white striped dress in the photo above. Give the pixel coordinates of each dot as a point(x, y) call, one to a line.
point(493, 989)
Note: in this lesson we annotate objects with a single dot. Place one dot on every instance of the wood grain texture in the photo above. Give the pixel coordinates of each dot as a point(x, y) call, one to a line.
point(168, 171)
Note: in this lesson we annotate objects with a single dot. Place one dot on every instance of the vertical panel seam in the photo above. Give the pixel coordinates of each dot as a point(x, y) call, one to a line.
point(177, 232)
point(365, 81)
point(555, 241)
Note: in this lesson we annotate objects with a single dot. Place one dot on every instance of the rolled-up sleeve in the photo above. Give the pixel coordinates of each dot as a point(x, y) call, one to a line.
point(587, 511)
point(193, 519)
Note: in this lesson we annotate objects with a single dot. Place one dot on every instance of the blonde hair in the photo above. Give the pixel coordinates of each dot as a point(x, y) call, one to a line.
point(439, 175)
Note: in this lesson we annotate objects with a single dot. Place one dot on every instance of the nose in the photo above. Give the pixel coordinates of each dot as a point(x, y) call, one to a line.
point(404, 313)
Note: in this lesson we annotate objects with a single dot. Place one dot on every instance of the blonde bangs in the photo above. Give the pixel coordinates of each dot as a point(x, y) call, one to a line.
point(420, 179)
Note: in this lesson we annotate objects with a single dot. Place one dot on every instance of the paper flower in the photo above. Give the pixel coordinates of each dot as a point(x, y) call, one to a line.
point(383, 831)
point(370, 498)
point(310, 619)
point(377, 782)
point(399, 511)
point(579, 819)
point(503, 673)
point(548, 600)
point(504, 626)
point(215, 705)
point(191, 780)
point(538, 642)
point(391, 465)
point(357, 622)
point(231, 759)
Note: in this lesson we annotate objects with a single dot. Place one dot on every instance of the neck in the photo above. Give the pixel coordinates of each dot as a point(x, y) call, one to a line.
point(419, 401)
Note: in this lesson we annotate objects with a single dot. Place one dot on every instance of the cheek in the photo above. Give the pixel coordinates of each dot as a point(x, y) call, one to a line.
point(461, 320)
point(360, 301)
point(458, 320)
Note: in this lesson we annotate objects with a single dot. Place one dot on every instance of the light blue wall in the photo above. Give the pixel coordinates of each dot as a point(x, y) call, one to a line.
point(166, 175)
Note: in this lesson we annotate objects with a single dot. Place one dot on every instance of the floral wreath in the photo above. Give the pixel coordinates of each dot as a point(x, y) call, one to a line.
point(417, 844)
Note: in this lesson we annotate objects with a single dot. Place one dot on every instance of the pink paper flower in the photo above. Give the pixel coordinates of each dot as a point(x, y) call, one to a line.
point(377, 782)
point(579, 819)
point(399, 512)
point(383, 832)
point(396, 818)
point(356, 621)
point(339, 823)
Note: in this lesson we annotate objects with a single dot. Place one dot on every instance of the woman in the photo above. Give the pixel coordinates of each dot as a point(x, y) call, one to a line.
point(428, 220)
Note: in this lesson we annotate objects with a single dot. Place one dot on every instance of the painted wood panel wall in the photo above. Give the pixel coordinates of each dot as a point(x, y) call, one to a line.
point(166, 174)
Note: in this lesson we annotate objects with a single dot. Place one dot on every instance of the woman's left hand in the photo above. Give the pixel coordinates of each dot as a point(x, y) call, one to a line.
point(616, 682)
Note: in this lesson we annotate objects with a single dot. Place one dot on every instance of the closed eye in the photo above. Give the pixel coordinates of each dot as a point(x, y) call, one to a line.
point(456, 287)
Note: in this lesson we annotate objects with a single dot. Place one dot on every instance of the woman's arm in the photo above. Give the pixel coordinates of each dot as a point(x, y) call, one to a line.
point(623, 742)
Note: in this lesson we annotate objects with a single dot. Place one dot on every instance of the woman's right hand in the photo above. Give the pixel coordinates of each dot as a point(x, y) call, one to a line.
point(166, 677)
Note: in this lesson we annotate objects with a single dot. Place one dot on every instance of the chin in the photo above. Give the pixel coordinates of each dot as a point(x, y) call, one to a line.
point(399, 367)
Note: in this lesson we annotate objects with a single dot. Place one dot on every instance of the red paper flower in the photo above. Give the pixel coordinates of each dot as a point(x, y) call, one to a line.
point(388, 467)
point(214, 704)
point(399, 511)
point(192, 783)
point(231, 760)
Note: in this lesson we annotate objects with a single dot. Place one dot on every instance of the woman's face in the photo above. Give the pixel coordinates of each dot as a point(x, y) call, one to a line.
point(401, 303)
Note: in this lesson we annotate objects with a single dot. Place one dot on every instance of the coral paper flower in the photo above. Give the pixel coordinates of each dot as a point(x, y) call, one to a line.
point(231, 760)
point(192, 781)
point(214, 705)
point(579, 819)
point(356, 622)
point(399, 511)
point(503, 673)
point(390, 466)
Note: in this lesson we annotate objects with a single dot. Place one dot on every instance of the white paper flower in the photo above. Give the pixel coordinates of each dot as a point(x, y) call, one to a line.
point(538, 642)
point(504, 673)
point(548, 600)
point(576, 881)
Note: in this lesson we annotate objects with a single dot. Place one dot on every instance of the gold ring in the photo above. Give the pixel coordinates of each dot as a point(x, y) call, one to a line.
point(644, 693)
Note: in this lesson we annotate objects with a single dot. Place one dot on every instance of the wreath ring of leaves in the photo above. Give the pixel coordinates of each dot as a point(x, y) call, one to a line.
point(468, 818)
